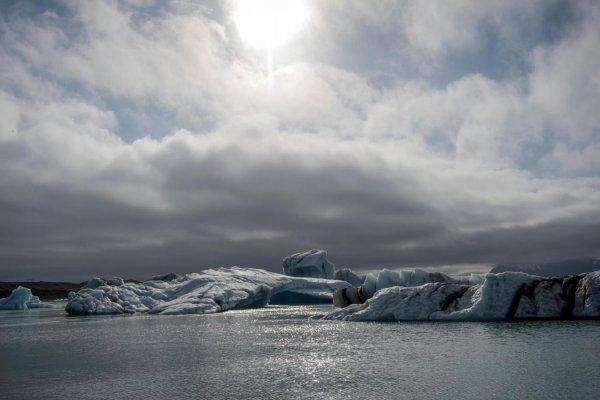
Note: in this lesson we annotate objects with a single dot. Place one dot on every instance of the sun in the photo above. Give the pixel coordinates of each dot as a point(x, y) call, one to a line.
point(268, 24)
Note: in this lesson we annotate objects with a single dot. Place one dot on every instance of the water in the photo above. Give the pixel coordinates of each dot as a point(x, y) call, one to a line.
point(279, 353)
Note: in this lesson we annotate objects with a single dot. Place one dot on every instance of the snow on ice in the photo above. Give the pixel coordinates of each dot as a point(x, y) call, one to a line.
point(312, 263)
point(385, 296)
point(504, 296)
point(209, 291)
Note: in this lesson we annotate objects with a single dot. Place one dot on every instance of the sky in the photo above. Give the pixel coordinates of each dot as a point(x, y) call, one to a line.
point(142, 137)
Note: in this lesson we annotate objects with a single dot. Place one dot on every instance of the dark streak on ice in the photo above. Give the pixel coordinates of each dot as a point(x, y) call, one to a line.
point(453, 298)
point(569, 287)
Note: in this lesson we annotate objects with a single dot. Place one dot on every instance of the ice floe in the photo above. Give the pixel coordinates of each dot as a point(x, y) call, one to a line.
point(22, 299)
point(209, 291)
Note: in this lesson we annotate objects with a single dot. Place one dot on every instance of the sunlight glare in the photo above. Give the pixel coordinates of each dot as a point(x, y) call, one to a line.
point(268, 24)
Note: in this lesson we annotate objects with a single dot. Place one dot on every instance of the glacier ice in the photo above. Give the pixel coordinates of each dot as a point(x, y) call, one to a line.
point(209, 291)
point(504, 296)
point(396, 295)
point(94, 283)
point(312, 263)
point(347, 275)
point(410, 277)
point(115, 281)
point(22, 299)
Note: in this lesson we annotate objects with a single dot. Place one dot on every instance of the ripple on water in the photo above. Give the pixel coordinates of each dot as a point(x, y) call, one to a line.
point(279, 352)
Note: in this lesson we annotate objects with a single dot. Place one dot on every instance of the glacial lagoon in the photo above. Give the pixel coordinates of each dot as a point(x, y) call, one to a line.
point(279, 352)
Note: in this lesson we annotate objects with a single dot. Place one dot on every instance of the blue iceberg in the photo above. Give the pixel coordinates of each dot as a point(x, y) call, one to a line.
point(21, 298)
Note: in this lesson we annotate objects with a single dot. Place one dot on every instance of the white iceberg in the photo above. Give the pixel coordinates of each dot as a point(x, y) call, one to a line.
point(312, 263)
point(349, 276)
point(21, 298)
point(210, 291)
point(411, 277)
point(505, 296)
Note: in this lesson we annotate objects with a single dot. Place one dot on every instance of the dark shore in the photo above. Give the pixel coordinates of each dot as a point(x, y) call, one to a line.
point(46, 291)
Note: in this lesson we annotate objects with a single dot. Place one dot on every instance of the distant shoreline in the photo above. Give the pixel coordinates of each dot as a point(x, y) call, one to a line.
point(46, 291)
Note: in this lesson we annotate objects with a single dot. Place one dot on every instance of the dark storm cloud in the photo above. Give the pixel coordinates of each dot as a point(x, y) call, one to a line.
point(212, 215)
point(223, 210)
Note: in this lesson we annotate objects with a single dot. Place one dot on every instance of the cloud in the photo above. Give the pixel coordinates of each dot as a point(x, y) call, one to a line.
point(413, 173)
point(438, 40)
point(565, 84)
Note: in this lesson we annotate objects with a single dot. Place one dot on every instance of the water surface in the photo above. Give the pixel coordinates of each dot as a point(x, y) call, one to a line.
point(278, 352)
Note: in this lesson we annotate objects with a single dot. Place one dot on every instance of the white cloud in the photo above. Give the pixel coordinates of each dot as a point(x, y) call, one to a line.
point(420, 35)
point(9, 117)
point(565, 85)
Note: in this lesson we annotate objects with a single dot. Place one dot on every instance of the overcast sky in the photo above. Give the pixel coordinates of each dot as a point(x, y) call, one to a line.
point(140, 137)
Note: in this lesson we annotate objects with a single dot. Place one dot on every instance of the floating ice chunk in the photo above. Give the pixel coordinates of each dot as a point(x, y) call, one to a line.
point(22, 299)
point(209, 291)
point(312, 263)
point(17, 300)
point(505, 296)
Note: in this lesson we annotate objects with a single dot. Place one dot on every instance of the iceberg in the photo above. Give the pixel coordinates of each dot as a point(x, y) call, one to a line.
point(372, 282)
point(21, 298)
point(209, 291)
point(414, 277)
point(347, 275)
point(504, 296)
point(312, 263)
point(96, 282)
